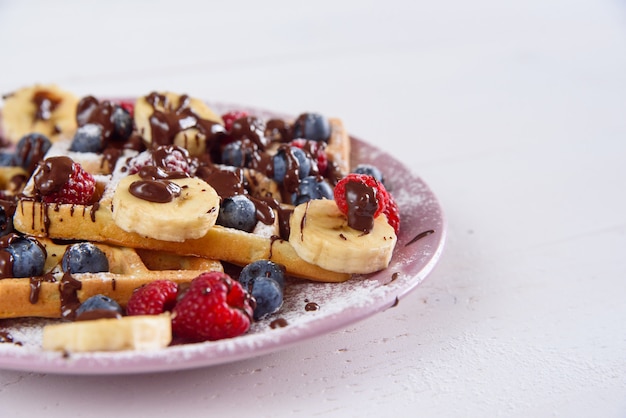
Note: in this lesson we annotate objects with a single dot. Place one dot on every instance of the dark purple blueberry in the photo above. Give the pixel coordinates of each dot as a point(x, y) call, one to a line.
point(312, 126)
point(313, 187)
point(84, 257)
point(237, 212)
point(30, 150)
point(233, 155)
point(122, 123)
point(88, 138)
point(268, 295)
point(279, 167)
point(28, 257)
point(262, 268)
point(370, 170)
point(281, 163)
point(304, 163)
point(99, 303)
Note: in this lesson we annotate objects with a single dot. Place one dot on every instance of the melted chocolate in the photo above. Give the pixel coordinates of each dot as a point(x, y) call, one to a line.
point(278, 130)
point(45, 103)
point(278, 323)
point(35, 286)
point(6, 223)
point(311, 306)
point(251, 128)
point(33, 151)
point(6, 337)
point(52, 174)
point(158, 191)
point(178, 117)
point(420, 236)
point(362, 206)
point(68, 289)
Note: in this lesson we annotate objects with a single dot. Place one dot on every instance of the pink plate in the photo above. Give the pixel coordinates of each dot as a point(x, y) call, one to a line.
point(420, 244)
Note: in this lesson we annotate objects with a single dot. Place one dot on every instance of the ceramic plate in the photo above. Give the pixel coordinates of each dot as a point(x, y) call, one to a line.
point(311, 309)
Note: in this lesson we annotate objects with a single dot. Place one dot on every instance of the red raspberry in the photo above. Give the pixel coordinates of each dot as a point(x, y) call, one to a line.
point(230, 117)
point(61, 180)
point(393, 213)
point(214, 307)
point(153, 298)
point(382, 197)
point(128, 105)
point(316, 149)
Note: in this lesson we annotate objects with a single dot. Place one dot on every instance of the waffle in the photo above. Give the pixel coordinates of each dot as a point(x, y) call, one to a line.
point(44, 296)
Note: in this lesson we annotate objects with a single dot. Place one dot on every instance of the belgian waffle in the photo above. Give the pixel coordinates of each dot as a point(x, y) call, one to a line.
point(54, 294)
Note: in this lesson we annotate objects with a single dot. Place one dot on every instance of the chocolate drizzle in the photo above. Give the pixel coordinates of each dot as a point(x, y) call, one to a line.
point(68, 289)
point(420, 236)
point(45, 103)
point(52, 174)
point(168, 119)
point(362, 206)
point(35, 286)
point(157, 191)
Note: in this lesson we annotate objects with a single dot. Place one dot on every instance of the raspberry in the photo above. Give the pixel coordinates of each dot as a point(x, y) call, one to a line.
point(214, 307)
point(382, 196)
point(393, 214)
point(128, 105)
point(61, 180)
point(316, 149)
point(153, 298)
point(230, 117)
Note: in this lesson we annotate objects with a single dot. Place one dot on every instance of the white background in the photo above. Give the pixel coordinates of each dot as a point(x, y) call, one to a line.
point(512, 112)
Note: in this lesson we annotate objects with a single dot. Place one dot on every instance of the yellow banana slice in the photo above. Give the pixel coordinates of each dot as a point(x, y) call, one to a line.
point(320, 235)
point(44, 109)
point(169, 118)
point(143, 332)
point(141, 206)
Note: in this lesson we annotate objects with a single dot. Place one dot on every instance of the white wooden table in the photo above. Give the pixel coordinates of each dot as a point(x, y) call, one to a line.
point(513, 113)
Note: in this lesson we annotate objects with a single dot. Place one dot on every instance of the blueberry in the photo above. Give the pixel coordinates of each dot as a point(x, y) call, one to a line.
point(122, 123)
point(88, 138)
point(30, 149)
point(232, 154)
point(268, 295)
point(7, 159)
point(313, 187)
point(262, 268)
point(84, 257)
point(279, 166)
point(370, 170)
point(312, 126)
point(304, 163)
point(99, 303)
point(237, 212)
point(28, 257)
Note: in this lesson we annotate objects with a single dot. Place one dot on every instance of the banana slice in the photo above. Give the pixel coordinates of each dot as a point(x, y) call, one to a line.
point(320, 235)
point(142, 206)
point(143, 332)
point(44, 109)
point(170, 118)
